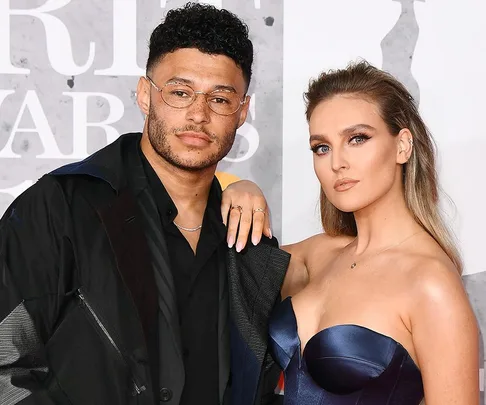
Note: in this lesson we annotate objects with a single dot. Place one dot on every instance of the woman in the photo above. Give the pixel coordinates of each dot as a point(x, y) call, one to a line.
point(374, 311)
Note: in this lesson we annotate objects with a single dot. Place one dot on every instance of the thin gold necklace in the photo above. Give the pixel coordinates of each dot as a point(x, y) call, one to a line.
point(355, 263)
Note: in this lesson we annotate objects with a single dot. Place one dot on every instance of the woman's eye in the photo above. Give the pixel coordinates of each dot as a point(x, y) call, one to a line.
point(359, 139)
point(320, 149)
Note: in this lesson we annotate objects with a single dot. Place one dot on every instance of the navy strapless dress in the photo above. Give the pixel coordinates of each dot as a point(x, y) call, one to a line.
point(342, 365)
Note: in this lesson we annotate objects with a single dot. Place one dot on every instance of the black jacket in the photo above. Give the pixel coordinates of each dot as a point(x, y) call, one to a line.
point(79, 301)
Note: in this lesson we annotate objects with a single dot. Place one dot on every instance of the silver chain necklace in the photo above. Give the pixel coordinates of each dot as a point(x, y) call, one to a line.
point(183, 228)
point(355, 263)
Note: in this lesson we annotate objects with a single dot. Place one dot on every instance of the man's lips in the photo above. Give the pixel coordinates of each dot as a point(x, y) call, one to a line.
point(345, 184)
point(194, 138)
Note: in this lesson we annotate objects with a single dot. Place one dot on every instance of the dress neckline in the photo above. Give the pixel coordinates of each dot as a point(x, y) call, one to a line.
point(334, 327)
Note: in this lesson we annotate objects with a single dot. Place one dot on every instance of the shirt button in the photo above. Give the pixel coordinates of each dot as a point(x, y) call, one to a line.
point(165, 394)
point(169, 212)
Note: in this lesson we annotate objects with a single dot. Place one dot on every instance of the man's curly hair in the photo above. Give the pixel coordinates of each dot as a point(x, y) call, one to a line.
point(205, 28)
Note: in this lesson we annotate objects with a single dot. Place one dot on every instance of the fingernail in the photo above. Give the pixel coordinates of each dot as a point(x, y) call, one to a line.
point(231, 242)
point(239, 247)
point(255, 240)
point(270, 233)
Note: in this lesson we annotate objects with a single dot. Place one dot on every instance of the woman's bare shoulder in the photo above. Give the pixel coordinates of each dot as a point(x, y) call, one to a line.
point(433, 275)
point(428, 265)
point(431, 280)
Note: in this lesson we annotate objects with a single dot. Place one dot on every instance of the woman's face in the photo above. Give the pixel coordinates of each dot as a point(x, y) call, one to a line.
point(356, 158)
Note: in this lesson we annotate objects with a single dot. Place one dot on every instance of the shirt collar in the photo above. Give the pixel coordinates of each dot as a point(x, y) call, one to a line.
point(168, 210)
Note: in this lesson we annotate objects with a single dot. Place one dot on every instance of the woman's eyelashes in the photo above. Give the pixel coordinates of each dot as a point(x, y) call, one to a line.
point(320, 149)
point(353, 140)
point(358, 139)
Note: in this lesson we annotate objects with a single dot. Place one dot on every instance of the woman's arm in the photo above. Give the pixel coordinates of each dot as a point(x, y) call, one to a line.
point(445, 337)
point(297, 276)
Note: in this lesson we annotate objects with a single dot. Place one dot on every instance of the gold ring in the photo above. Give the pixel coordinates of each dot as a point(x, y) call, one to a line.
point(237, 207)
point(262, 210)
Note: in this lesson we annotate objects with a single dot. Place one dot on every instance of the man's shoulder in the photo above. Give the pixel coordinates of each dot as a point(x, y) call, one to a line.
point(45, 190)
point(63, 185)
point(96, 180)
point(53, 194)
point(38, 207)
point(105, 164)
point(261, 259)
point(272, 242)
point(264, 247)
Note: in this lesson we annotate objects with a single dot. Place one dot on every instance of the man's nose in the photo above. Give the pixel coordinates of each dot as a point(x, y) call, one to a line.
point(199, 111)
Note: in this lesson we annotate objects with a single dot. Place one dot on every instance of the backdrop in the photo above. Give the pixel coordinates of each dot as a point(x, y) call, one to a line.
point(69, 68)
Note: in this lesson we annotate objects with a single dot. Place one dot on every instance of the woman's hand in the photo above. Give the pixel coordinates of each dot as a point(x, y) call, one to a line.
point(244, 206)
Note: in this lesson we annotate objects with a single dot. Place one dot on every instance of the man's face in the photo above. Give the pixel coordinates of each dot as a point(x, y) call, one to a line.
point(194, 137)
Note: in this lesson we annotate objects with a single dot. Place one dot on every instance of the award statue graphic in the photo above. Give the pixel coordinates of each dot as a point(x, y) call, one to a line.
point(398, 47)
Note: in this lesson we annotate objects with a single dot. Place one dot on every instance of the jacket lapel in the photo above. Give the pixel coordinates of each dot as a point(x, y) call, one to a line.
point(255, 277)
point(122, 225)
point(163, 273)
point(170, 372)
point(159, 254)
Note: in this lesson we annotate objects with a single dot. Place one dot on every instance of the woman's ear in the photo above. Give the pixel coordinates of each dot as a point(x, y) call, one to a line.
point(404, 146)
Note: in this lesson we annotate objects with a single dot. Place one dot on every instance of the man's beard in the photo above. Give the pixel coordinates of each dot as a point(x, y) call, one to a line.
point(158, 134)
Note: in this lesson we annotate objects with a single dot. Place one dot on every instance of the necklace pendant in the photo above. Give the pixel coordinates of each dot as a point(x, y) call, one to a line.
point(353, 265)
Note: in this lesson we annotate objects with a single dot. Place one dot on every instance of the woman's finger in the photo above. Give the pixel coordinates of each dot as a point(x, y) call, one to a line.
point(233, 223)
point(244, 228)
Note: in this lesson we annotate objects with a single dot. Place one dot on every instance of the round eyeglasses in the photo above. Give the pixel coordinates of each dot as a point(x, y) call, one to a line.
point(180, 95)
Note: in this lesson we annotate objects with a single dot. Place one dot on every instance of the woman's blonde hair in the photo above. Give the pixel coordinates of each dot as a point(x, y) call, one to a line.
point(398, 110)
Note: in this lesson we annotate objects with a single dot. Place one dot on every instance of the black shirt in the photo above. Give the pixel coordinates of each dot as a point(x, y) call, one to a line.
point(196, 282)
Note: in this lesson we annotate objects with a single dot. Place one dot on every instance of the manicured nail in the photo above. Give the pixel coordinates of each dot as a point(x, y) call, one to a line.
point(255, 240)
point(231, 242)
point(270, 233)
point(239, 247)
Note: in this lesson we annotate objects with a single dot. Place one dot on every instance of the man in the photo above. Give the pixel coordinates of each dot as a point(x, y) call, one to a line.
point(117, 283)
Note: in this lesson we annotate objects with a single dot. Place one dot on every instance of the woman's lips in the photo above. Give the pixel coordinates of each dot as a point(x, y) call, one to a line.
point(345, 184)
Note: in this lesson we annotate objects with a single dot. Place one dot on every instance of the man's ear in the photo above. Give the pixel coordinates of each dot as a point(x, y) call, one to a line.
point(404, 145)
point(244, 111)
point(143, 95)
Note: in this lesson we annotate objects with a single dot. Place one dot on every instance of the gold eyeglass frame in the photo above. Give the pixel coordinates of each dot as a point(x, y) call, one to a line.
point(196, 92)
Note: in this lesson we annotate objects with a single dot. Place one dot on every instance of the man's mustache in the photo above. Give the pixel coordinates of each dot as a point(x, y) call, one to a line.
point(194, 128)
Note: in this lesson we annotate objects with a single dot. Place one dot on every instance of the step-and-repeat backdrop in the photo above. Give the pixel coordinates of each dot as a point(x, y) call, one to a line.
point(69, 68)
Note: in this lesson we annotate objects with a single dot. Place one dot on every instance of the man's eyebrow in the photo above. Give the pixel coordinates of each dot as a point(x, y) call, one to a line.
point(225, 87)
point(180, 80)
point(218, 87)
